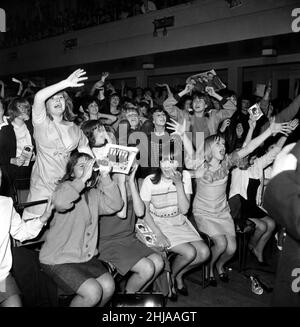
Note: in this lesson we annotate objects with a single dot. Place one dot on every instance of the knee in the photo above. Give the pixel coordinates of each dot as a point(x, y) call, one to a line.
point(231, 248)
point(108, 285)
point(220, 245)
point(158, 262)
point(261, 226)
point(190, 254)
point(203, 252)
point(147, 271)
point(92, 294)
point(270, 224)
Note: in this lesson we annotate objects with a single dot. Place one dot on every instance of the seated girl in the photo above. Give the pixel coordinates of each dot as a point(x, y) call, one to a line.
point(12, 225)
point(166, 195)
point(211, 210)
point(243, 196)
point(70, 249)
point(119, 246)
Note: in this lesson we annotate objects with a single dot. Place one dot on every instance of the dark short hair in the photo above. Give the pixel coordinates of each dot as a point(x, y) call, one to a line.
point(86, 101)
point(88, 128)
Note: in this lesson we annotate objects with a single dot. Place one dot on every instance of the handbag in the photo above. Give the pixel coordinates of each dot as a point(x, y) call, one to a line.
point(146, 235)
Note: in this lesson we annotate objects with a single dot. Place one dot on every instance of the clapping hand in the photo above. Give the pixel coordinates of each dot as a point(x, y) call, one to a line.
point(76, 78)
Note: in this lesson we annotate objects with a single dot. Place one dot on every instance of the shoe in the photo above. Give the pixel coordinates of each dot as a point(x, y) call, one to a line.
point(255, 286)
point(173, 297)
point(183, 291)
point(260, 263)
point(212, 282)
point(263, 285)
point(224, 277)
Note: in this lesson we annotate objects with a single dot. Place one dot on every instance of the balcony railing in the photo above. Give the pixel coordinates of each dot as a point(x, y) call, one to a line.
point(47, 21)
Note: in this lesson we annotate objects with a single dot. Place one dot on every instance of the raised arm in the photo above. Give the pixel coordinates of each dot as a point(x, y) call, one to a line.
point(228, 107)
point(146, 198)
point(252, 125)
point(100, 84)
point(265, 101)
point(110, 200)
point(2, 91)
point(183, 199)
point(138, 204)
point(274, 128)
point(193, 160)
point(38, 108)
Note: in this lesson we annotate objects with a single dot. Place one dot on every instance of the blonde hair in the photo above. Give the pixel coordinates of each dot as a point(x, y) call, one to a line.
point(209, 141)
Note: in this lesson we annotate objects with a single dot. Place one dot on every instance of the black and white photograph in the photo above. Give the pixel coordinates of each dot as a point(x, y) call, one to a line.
point(150, 157)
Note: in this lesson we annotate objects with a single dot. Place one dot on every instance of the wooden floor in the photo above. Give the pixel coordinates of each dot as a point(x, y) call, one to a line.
point(237, 293)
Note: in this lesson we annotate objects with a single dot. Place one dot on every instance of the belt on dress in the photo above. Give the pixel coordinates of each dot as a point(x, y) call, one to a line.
point(166, 215)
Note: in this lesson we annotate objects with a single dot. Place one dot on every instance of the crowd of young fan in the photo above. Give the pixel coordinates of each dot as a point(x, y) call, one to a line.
point(204, 163)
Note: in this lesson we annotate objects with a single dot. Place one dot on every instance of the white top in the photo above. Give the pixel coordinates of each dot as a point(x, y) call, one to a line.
point(163, 196)
point(240, 178)
point(22, 136)
point(5, 122)
point(12, 224)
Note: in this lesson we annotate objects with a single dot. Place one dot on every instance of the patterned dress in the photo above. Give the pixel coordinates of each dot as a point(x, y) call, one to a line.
point(165, 212)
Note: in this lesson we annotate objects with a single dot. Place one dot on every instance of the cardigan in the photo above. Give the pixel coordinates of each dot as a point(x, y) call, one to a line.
point(73, 233)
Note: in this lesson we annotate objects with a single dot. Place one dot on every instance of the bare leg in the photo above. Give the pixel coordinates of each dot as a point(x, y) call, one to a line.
point(158, 263)
point(202, 254)
point(260, 245)
point(220, 245)
point(107, 284)
point(143, 272)
point(227, 254)
point(88, 295)
point(186, 254)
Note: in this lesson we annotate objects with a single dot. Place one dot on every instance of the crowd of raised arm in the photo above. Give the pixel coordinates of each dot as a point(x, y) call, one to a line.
point(203, 163)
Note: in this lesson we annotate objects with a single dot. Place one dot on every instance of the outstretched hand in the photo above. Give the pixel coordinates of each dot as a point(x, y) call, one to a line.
point(76, 78)
point(177, 128)
point(283, 128)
